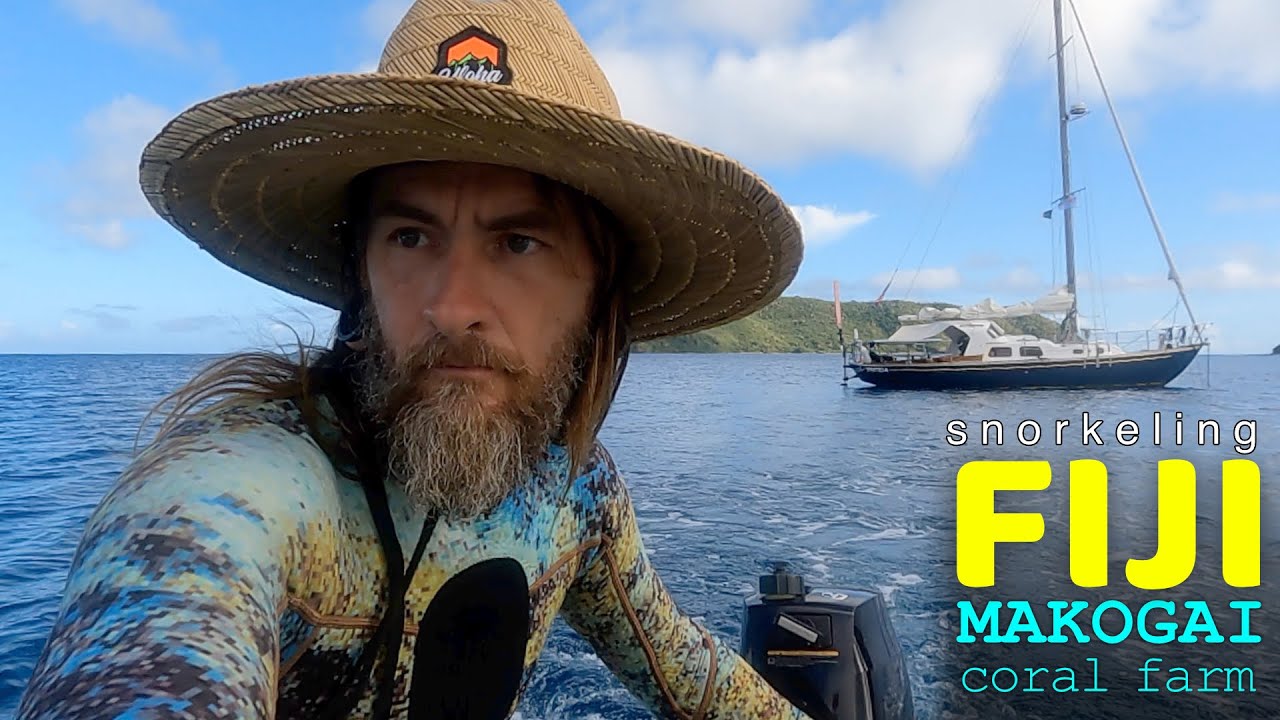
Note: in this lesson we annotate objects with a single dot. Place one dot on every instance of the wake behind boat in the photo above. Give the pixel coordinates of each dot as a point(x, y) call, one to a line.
point(965, 348)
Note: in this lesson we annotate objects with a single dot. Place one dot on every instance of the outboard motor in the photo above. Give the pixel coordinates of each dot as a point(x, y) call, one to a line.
point(832, 653)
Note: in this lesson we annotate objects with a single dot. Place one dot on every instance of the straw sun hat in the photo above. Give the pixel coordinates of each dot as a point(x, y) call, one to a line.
point(256, 177)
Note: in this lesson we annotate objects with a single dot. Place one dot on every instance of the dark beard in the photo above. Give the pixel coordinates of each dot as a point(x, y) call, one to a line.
point(453, 456)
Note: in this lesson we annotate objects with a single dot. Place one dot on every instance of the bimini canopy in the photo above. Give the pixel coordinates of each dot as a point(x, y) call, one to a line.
point(943, 329)
point(919, 333)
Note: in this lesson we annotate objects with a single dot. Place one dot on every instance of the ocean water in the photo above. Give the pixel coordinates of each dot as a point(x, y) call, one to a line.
point(736, 461)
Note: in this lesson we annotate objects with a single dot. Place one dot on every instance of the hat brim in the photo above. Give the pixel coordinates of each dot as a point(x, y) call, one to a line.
point(257, 178)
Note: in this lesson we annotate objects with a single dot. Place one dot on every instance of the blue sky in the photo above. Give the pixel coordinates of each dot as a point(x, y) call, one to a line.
point(910, 134)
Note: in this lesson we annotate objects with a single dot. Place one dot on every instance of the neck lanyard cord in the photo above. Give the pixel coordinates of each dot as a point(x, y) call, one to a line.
point(390, 631)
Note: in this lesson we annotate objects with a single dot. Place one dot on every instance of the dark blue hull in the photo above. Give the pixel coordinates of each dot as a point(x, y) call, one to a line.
point(1144, 369)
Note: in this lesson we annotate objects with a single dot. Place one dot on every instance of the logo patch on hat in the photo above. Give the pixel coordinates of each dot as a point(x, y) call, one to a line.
point(474, 54)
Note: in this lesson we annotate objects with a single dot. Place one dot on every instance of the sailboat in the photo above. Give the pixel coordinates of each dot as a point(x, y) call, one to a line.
point(966, 348)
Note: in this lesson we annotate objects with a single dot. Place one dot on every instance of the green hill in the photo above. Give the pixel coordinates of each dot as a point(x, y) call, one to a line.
point(801, 324)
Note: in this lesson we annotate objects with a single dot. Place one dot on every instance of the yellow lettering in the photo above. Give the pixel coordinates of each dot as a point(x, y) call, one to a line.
point(1088, 523)
point(979, 527)
point(1175, 530)
point(1241, 523)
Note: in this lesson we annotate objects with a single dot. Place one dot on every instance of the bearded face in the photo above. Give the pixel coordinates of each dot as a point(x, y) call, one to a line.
point(479, 283)
point(456, 452)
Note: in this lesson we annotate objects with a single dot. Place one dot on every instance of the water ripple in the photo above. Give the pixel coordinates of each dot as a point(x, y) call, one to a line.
point(733, 461)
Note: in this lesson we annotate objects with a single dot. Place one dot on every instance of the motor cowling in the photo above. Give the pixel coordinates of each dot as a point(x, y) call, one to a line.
point(832, 652)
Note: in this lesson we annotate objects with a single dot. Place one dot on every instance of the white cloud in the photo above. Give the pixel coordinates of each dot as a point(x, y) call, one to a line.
point(825, 225)
point(109, 234)
point(1237, 275)
point(1145, 46)
point(1131, 281)
point(1247, 202)
point(1020, 278)
point(943, 278)
point(6, 329)
point(793, 104)
point(377, 21)
point(69, 326)
point(136, 22)
point(144, 24)
point(1240, 268)
point(104, 317)
point(759, 21)
point(904, 85)
point(104, 190)
point(380, 17)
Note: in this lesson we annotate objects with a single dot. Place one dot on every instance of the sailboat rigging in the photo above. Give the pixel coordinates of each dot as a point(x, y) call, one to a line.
point(980, 355)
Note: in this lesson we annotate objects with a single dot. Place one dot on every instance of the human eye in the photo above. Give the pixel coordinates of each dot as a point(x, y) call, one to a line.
point(519, 244)
point(408, 237)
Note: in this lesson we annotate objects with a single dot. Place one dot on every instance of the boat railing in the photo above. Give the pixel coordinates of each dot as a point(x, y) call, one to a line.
point(879, 351)
point(1165, 338)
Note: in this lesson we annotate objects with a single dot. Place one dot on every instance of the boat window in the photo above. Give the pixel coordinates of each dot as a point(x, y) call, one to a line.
point(1030, 351)
point(999, 351)
point(1078, 351)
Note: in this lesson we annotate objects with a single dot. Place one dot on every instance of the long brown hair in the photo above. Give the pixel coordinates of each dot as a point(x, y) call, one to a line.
point(260, 376)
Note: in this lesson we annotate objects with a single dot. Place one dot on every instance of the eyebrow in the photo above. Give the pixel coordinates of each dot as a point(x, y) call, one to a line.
point(401, 209)
point(534, 218)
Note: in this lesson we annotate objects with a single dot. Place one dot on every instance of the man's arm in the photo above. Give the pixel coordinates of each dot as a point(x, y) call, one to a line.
point(619, 604)
point(172, 603)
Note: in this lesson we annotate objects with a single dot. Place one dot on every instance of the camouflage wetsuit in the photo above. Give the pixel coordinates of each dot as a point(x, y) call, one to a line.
point(235, 572)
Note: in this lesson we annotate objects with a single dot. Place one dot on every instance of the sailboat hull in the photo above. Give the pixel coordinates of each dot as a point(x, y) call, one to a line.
point(1140, 369)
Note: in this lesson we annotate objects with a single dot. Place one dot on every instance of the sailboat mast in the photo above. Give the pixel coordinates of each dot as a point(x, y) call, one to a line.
point(1072, 329)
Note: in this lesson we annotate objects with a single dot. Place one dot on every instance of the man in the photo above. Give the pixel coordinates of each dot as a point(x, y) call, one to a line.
point(389, 526)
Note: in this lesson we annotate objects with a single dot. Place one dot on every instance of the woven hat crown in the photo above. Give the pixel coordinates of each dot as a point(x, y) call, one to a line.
point(530, 45)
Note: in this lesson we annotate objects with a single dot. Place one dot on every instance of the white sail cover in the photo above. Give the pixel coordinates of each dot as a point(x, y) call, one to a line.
point(917, 333)
point(1057, 301)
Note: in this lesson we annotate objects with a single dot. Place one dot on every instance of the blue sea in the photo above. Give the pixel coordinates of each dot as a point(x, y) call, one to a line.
point(735, 462)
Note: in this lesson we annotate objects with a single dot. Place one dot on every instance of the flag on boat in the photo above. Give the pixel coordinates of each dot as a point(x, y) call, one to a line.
point(835, 287)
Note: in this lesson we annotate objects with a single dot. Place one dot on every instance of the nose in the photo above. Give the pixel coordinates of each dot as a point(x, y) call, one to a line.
point(457, 300)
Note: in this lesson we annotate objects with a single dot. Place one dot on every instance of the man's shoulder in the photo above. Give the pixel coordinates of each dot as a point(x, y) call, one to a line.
point(248, 460)
point(248, 429)
point(242, 416)
point(599, 478)
point(598, 464)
